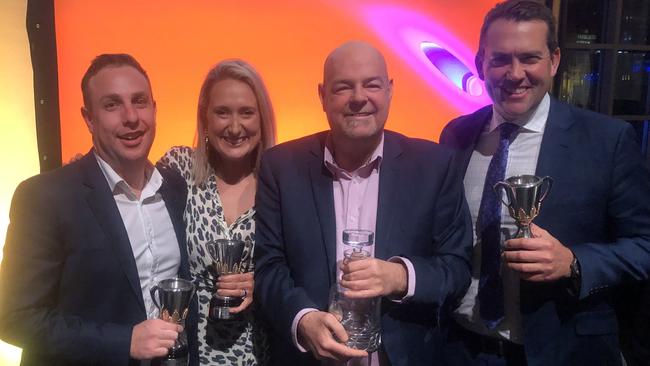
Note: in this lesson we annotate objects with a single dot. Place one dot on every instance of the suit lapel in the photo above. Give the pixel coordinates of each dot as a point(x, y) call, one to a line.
point(174, 193)
point(556, 140)
point(468, 137)
point(101, 203)
point(389, 189)
point(321, 184)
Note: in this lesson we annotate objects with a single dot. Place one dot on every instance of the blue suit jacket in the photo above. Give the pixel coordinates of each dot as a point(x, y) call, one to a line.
point(599, 207)
point(422, 215)
point(69, 287)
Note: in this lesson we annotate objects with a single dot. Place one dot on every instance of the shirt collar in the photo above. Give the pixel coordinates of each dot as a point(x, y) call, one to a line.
point(119, 186)
point(373, 163)
point(534, 123)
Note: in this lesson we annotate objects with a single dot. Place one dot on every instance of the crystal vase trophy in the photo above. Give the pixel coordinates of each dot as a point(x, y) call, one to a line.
point(525, 194)
point(172, 297)
point(227, 257)
point(360, 317)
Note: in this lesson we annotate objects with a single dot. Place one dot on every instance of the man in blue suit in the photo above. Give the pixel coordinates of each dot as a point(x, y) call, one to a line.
point(545, 300)
point(360, 176)
point(86, 242)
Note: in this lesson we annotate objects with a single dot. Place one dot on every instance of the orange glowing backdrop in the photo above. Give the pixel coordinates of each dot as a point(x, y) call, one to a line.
point(286, 40)
point(428, 45)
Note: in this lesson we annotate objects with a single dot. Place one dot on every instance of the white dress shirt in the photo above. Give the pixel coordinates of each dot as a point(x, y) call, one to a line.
point(150, 230)
point(522, 159)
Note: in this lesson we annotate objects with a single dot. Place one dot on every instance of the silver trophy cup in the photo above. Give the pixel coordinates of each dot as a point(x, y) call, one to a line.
point(228, 258)
point(525, 194)
point(172, 297)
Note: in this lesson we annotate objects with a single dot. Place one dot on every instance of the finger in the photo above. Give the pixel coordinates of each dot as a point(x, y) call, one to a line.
point(524, 256)
point(538, 231)
point(359, 285)
point(160, 351)
point(363, 294)
point(237, 277)
point(233, 285)
point(525, 244)
point(231, 293)
point(526, 268)
point(343, 352)
point(335, 327)
point(355, 265)
point(247, 301)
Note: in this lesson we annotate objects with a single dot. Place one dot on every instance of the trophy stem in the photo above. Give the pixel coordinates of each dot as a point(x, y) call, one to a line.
point(524, 232)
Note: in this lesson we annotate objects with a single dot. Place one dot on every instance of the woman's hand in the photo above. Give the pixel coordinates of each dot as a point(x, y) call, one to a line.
point(240, 285)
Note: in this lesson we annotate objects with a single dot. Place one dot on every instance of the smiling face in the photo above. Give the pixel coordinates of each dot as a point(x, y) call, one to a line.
point(121, 116)
point(356, 92)
point(233, 121)
point(517, 66)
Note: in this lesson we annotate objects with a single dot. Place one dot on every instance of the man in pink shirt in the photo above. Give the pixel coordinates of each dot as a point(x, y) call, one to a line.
point(359, 176)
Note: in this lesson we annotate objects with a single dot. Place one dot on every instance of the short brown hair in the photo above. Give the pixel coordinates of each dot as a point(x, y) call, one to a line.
point(108, 60)
point(518, 11)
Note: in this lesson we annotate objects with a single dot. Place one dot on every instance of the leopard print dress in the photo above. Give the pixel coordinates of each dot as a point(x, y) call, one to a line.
point(232, 342)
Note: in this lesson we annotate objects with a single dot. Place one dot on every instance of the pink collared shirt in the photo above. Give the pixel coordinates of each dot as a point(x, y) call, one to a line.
point(355, 196)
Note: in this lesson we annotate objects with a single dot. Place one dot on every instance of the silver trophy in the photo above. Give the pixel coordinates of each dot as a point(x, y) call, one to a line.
point(361, 318)
point(228, 258)
point(172, 297)
point(525, 194)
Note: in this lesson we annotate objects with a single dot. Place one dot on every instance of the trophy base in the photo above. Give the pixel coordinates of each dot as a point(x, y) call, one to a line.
point(176, 357)
point(220, 308)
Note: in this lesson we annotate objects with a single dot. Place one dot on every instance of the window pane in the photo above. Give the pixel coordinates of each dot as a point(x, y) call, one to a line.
point(580, 77)
point(584, 22)
point(631, 83)
point(635, 22)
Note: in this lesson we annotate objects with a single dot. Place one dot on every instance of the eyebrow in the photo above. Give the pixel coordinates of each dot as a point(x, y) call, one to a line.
point(364, 81)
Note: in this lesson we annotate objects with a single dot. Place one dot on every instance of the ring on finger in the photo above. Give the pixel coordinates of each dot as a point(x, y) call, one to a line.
point(244, 293)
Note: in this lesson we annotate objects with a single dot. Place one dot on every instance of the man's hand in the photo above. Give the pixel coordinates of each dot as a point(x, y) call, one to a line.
point(153, 338)
point(237, 285)
point(541, 258)
point(316, 332)
point(373, 277)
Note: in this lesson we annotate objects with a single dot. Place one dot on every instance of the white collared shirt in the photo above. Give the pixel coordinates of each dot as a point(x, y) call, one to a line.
point(150, 230)
point(522, 159)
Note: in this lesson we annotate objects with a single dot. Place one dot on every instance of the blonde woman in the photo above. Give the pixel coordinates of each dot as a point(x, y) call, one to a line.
point(235, 124)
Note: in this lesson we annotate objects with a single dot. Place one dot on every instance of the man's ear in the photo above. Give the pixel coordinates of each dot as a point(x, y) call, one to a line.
point(478, 62)
point(87, 118)
point(321, 95)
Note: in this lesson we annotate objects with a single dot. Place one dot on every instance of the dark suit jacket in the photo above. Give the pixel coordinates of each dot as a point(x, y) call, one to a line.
point(599, 207)
point(422, 215)
point(69, 287)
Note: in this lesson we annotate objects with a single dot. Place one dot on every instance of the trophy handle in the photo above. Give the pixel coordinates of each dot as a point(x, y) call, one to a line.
point(549, 183)
point(153, 291)
point(506, 187)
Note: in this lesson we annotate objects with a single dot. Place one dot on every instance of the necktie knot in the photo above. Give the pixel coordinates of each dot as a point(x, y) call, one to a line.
point(506, 129)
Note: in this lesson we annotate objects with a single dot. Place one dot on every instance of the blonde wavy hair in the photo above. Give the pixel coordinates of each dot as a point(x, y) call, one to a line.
point(242, 71)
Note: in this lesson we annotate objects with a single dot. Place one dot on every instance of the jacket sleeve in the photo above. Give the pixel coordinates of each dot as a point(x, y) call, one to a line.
point(30, 283)
point(627, 257)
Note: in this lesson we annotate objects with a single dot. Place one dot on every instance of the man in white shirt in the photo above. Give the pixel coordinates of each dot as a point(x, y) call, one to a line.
point(87, 242)
point(545, 300)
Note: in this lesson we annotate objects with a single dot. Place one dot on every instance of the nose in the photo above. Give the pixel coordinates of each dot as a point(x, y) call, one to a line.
point(517, 70)
point(130, 114)
point(358, 99)
point(235, 125)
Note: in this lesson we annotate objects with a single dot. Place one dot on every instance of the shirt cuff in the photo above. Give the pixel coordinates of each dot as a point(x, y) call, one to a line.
point(294, 327)
point(410, 277)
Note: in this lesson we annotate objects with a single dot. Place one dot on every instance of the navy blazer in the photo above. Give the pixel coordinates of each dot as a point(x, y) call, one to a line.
point(599, 207)
point(69, 287)
point(422, 215)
